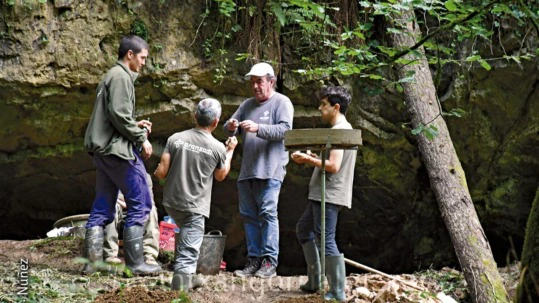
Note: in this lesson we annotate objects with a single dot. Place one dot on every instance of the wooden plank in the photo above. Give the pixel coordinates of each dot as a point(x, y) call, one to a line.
point(318, 138)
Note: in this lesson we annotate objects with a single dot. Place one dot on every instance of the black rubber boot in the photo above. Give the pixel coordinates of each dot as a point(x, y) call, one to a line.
point(93, 249)
point(336, 274)
point(134, 252)
point(313, 268)
point(185, 282)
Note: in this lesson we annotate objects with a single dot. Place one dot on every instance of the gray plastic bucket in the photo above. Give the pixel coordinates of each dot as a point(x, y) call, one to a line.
point(211, 252)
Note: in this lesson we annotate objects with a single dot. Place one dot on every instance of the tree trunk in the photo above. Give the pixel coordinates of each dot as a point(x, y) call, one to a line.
point(528, 289)
point(446, 175)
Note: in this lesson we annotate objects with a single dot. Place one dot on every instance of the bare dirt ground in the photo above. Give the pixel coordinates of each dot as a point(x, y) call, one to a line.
point(48, 271)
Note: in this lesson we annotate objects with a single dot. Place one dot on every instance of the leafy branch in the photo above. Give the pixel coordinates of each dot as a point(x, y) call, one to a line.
point(353, 43)
point(441, 29)
point(533, 17)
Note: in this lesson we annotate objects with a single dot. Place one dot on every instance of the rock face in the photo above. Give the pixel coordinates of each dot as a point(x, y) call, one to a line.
point(52, 56)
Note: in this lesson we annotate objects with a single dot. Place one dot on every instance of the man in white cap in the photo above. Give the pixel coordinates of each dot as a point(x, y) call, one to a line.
point(262, 121)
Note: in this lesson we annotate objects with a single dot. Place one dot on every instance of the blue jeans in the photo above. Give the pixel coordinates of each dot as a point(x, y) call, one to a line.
point(188, 243)
point(258, 209)
point(129, 176)
point(309, 226)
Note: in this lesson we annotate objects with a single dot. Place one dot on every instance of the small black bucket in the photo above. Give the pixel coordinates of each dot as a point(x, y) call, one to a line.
point(211, 252)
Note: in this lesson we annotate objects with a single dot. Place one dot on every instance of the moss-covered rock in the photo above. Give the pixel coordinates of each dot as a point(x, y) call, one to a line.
point(527, 288)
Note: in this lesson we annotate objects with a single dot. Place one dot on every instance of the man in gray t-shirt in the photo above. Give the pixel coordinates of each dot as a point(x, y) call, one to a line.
point(262, 121)
point(189, 163)
point(339, 167)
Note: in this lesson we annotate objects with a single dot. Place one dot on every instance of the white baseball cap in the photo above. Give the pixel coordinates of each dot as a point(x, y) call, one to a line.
point(259, 70)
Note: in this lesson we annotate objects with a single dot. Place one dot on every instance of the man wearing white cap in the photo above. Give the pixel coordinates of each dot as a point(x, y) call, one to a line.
point(262, 121)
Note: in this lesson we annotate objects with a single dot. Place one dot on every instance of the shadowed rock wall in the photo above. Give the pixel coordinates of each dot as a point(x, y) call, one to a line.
point(53, 55)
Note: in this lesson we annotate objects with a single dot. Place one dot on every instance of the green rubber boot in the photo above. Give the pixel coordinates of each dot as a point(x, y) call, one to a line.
point(336, 274)
point(313, 268)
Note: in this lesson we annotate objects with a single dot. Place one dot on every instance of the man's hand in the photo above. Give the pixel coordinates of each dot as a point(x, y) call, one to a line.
point(249, 126)
point(233, 125)
point(231, 143)
point(147, 150)
point(122, 203)
point(145, 124)
point(312, 154)
point(300, 157)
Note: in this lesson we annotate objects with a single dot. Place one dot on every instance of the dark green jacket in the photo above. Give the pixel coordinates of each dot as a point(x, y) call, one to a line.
point(112, 129)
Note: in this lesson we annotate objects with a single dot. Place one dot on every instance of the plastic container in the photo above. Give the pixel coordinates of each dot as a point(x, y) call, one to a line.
point(166, 235)
point(168, 219)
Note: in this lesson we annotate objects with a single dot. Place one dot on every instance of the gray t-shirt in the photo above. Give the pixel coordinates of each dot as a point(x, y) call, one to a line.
point(264, 156)
point(194, 156)
point(339, 185)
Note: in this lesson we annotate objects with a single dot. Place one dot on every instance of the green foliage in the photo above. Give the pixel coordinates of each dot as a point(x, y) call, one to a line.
point(477, 58)
point(183, 298)
point(455, 112)
point(139, 28)
point(447, 280)
point(430, 131)
point(357, 51)
point(48, 241)
point(104, 268)
point(28, 4)
point(360, 50)
point(166, 257)
point(457, 33)
point(214, 45)
point(307, 17)
point(157, 68)
point(226, 7)
point(158, 47)
point(309, 25)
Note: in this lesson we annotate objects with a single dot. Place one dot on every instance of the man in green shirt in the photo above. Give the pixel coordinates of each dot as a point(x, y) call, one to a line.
point(113, 139)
